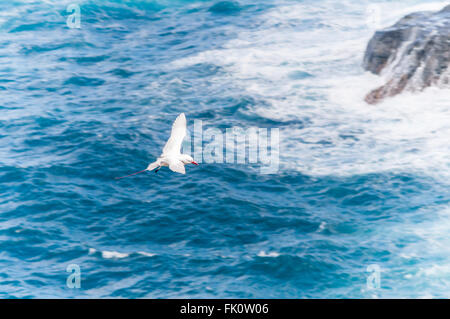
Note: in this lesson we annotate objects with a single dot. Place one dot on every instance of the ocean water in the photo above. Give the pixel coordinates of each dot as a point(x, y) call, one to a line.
point(358, 185)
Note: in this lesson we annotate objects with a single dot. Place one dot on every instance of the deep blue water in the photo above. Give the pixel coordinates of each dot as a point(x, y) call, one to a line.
point(358, 185)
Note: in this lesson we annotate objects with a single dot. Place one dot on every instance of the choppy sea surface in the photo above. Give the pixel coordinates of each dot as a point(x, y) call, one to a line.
point(358, 185)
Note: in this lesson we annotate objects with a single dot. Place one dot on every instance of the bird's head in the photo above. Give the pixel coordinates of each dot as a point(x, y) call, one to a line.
point(187, 159)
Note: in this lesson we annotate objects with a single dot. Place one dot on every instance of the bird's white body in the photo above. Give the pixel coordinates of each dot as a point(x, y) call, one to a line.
point(171, 155)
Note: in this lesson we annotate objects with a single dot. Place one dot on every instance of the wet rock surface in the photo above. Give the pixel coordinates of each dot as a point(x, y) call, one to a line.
point(413, 54)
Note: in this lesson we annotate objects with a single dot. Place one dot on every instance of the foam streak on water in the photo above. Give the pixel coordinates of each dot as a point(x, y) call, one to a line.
point(313, 75)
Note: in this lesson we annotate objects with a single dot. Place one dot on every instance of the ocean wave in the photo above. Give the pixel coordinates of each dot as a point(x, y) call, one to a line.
point(358, 185)
point(111, 254)
point(271, 254)
point(342, 134)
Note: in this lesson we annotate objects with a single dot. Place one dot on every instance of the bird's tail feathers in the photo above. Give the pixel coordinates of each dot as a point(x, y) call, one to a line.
point(152, 166)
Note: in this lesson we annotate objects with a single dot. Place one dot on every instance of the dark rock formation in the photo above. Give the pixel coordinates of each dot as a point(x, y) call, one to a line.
point(413, 54)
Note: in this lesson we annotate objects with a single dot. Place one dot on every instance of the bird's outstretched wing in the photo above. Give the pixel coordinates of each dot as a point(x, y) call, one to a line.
point(177, 166)
point(173, 145)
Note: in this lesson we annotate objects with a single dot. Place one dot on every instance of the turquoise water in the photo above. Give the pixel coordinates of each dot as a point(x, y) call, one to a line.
point(358, 185)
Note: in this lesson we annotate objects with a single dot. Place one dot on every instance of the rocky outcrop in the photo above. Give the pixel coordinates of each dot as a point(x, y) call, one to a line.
point(412, 54)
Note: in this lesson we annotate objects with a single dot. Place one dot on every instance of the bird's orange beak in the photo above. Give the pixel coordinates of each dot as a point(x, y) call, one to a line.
point(195, 163)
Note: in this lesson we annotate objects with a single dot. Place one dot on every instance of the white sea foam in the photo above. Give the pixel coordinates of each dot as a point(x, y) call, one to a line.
point(143, 253)
point(435, 270)
point(113, 254)
point(429, 250)
point(322, 226)
point(342, 134)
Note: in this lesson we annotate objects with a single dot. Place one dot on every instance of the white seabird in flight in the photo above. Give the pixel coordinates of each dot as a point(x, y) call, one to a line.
point(171, 155)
